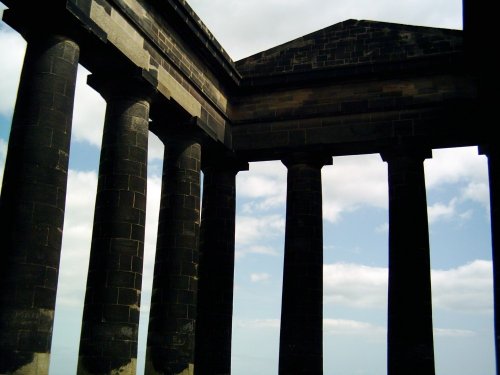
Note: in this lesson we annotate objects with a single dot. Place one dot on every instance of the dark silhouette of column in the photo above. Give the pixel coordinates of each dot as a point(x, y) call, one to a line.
point(494, 178)
point(171, 333)
point(410, 337)
point(33, 201)
point(111, 314)
point(301, 333)
point(216, 269)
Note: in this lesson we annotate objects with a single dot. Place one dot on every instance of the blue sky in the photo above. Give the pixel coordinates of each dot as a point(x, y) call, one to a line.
point(355, 215)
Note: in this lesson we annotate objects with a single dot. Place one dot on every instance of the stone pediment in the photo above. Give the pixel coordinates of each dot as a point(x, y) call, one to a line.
point(352, 42)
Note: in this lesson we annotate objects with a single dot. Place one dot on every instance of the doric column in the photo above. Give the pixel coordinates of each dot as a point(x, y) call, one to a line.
point(216, 269)
point(33, 201)
point(493, 155)
point(301, 334)
point(170, 348)
point(111, 314)
point(410, 338)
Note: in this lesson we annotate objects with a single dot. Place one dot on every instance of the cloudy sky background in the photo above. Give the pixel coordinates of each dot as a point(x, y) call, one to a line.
point(355, 215)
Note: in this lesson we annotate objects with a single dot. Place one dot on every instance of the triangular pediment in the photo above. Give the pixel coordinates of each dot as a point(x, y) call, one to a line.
point(352, 42)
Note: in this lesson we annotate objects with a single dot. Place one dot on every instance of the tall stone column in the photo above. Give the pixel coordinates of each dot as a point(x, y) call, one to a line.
point(410, 337)
point(171, 334)
point(33, 201)
point(111, 314)
point(301, 333)
point(493, 154)
point(216, 269)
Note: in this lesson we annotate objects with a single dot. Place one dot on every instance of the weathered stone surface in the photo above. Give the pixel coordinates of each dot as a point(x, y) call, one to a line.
point(301, 337)
point(352, 42)
point(111, 313)
point(216, 268)
point(152, 37)
point(171, 331)
point(33, 201)
point(409, 326)
point(352, 88)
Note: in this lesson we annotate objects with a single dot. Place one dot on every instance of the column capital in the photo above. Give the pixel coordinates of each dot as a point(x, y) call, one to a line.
point(172, 125)
point(124, 83)
point(488, 149)
point(314, 159)
point(407, 151)
point(32, 23)
point(223, 161)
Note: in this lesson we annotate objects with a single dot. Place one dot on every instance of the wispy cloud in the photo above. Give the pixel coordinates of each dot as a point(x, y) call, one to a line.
point(355, 285)
point(258, 323)
point(259, 277)
point(242, 251)
point(335, 327)
point(467, 288)
point(347, 327)
point(251, 229)
point(453, 165)
point(264, 184)
point(477, 191)
point(440, 211)
point(354, 182)
point(453, 333)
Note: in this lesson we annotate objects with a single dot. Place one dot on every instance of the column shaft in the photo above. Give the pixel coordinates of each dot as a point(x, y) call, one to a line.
point(410, 336)
point(111, 314)
point(32, 203)
point(494, 181)
point(301, 334)
point(172, 319)
point(216, 271)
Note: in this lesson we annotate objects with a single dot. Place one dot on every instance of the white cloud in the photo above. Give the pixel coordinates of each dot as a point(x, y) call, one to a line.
point(457, 166)
point(467, 288)
point(156, 148)
point(452, 165)
point(477, 191)
point(250, 229)
point(330, 326)
point(242, 251)
point(355, 285)
point(440, 211)
point(259, 277)
point(13, 47)
point(347, 327)
point(453, 333)
point(258, 323)
point(77, 235)
point(352, 182)
point(152, 212)
point(265, 184)
point(89, 111)
point(361, 181)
